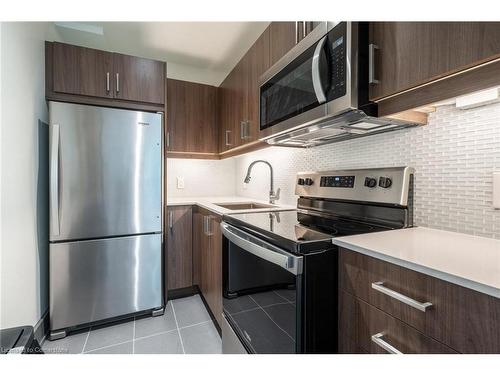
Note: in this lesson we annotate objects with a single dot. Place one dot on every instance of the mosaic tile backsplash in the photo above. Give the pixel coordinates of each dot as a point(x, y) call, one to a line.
point(454, 157)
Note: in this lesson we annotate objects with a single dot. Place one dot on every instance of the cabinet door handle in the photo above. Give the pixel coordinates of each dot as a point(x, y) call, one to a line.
point(117, 82)
point(379, 286)
point(304, 31)
point(227, 138)
point(168, 140)
point(107, 81)
point(296, 32)
point(170, 220)
point(244, 132)
point(378, 339)
point(371, 64)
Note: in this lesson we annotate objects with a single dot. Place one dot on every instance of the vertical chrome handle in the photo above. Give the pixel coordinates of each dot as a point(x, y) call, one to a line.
point(227, 138)
point(422, 306)
point(54, 180)
point(107, 81)
point(244, 132)
point(170, 219)
point(304, 31)
point(296, 32)
point(205, 225)
point(117, 82)
point(371, 64)
point(168, 139)
point(378, 339)
point(316, 78)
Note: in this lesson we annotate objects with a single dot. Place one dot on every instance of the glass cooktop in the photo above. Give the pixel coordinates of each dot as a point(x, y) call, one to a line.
point(296, 230)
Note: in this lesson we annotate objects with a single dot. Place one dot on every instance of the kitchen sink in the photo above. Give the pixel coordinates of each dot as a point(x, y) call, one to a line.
point(244, 206)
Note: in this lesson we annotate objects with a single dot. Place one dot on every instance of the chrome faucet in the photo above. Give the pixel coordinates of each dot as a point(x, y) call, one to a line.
point(273, 196)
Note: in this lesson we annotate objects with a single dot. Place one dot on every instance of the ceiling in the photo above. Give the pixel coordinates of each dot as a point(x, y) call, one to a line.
point(196, 51)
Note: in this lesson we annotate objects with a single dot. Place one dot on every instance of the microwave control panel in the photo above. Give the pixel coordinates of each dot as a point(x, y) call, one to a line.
point(337, 61)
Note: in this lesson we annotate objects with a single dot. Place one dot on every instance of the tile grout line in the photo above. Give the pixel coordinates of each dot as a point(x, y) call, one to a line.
point(178, 330)
point(85, 343)
point(195, 324)
point(108, 346)
point(272, 320)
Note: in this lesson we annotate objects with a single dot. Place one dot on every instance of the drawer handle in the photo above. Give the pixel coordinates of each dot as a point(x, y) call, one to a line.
point(401, 297)
point(378, 339)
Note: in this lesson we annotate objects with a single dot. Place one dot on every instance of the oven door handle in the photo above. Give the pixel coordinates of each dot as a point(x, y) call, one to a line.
point(316, 77)
point(262, 249)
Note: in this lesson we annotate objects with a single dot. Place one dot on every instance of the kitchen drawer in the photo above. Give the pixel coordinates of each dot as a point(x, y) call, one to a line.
point(461, 318)
point(359, 322)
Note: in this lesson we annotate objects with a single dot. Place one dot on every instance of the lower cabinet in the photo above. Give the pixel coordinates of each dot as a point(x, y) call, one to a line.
point(207, 259)
point(179, 258)
point(411, 311)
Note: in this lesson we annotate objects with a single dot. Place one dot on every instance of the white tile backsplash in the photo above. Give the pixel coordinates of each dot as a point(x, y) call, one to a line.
point(202, 178)
point(455, 156)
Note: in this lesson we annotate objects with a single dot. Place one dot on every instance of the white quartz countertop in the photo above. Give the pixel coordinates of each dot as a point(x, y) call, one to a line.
point(470, 261)
point(210, 203)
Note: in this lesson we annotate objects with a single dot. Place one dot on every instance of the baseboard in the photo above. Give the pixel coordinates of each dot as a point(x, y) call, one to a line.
point(182, 292)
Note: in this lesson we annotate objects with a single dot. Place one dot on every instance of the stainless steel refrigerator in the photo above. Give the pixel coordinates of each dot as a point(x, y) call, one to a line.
point(105, 214)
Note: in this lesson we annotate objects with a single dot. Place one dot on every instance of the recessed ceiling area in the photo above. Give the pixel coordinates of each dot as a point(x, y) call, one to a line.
point(202, 52)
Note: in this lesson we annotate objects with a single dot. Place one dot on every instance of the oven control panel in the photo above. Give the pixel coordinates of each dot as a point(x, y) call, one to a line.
point(382, 185)
point(337, 181)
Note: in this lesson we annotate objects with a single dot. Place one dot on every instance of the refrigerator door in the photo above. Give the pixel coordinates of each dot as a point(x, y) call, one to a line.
point(105, 172)
point(100, 279)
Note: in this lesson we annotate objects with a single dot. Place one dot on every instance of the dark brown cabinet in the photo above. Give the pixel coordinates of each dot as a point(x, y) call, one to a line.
point(191, 118)
point(462, 319)
point(208, 259)
point(138, 79)
point(89, 76)
point(82, 71)
point(410, 54)
point(179, 250)
point(285, 35)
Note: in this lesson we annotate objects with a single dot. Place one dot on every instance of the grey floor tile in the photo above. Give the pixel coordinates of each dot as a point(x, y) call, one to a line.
point(111, 335)
point(288, 294)
point(164, 343)
point(268, 298)
point(284, 316)
point(190, 310)
point(239, 304)
point(124, 348)
point(201, 339)
point(151, 325)
point(72, 344)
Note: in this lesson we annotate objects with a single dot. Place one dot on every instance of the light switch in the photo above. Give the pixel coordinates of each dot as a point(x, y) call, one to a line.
point(180, 182)
point(496, 190)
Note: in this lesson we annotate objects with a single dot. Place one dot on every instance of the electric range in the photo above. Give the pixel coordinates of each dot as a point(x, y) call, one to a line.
point(280, 268)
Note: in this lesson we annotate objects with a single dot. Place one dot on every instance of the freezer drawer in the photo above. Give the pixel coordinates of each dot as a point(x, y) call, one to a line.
point(100, 279)
point(105, 172)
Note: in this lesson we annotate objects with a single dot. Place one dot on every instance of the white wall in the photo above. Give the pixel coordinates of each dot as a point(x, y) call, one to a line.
point(454, 156)
point(202, 178)
point(24, 209)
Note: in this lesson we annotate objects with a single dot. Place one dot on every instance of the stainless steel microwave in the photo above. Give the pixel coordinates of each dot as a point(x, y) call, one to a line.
point(319, 91)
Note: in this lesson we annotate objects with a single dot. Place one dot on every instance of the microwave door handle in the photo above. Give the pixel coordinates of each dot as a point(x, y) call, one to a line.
point(254, 246)
point(316, 78)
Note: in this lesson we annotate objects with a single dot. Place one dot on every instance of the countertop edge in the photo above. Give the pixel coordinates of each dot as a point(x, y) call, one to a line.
point(466, 283)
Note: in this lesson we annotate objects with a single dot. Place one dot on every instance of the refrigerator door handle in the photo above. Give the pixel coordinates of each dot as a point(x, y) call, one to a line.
point(54, 180)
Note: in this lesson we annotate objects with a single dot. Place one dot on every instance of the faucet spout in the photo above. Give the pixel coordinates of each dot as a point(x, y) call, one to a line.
point(273, 196)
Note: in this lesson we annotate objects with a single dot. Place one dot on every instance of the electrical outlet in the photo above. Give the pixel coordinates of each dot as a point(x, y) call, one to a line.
point(180, 182)
point(496, 190)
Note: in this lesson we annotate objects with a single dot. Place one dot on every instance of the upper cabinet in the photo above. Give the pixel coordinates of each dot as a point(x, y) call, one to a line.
point(411, 54)
point(285, 35)
point(191, 118)
point(86, 75)
point(138, 79)
point(82, 71)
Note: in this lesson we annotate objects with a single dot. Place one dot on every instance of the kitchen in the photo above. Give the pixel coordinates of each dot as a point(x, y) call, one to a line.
point(328, 188)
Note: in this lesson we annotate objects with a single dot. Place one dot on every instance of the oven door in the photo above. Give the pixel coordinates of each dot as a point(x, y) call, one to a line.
point(296, 89)
point(262, 287)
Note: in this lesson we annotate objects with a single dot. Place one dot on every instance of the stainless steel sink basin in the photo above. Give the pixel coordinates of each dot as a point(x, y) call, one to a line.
point(243, 206)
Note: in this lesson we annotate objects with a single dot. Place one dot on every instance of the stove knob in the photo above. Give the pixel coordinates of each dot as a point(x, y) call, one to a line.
point(384, 182)
point(309, 181)
point(300, 181)
point(370, 182)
